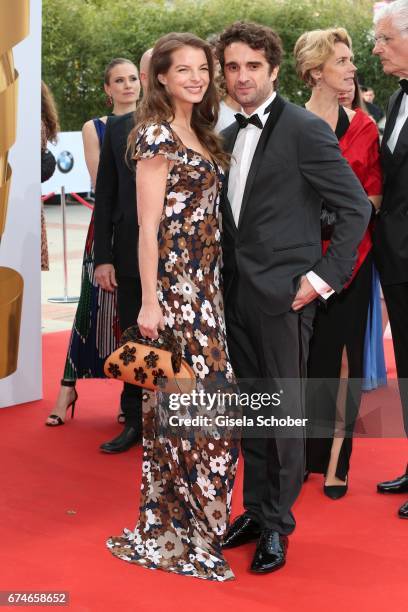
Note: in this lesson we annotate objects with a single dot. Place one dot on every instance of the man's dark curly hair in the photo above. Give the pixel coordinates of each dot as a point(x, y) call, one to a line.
point(256, 36)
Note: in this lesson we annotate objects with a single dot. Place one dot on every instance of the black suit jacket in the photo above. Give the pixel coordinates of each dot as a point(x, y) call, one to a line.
point(297, 164)
point(391, 228)
point(375, 111)
point(116, 227)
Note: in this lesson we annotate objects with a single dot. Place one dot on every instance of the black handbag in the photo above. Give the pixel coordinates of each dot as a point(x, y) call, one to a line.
point(48, 164)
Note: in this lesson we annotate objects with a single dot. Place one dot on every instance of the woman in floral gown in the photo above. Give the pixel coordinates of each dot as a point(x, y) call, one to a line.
point(187, 479)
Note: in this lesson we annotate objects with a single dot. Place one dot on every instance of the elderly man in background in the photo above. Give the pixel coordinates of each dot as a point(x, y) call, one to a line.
point(391, 232)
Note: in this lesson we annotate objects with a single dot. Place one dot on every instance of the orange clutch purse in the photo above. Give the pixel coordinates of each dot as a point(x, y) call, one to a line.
point(151, 364)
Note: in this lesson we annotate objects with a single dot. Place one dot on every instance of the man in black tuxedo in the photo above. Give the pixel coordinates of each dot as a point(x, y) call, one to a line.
point(367, 93)
point(285, 161)
point(391, 231)
point(116, 239)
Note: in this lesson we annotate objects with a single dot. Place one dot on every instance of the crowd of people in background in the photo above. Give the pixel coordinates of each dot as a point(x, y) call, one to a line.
point(314, 214)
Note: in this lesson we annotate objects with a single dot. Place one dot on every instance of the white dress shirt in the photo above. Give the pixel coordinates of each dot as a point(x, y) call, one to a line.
point(241, 160)
point(242, 156)
point(399, 123)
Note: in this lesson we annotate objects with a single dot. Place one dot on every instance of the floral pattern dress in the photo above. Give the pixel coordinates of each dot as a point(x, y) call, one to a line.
point(186, 479)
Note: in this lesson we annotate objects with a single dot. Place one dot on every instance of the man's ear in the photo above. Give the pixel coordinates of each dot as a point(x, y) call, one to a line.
point(274, 73)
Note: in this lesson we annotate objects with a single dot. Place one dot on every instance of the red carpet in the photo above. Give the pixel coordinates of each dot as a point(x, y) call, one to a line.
point(61, 499)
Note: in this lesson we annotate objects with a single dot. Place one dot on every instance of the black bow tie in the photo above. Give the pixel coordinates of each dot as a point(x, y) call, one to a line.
point(404, 85)
point(243, 121)
point(254, 119)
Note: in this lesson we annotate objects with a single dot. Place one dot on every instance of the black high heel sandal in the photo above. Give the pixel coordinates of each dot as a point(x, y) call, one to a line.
point(57, 419)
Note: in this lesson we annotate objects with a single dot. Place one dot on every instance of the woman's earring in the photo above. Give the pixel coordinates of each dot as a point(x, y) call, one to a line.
point(109, 100)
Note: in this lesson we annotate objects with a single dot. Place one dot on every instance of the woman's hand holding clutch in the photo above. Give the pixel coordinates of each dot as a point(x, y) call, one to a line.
point(150, 319)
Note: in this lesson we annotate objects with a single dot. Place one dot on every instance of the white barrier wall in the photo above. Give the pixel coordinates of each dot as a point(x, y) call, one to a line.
point(71, 171)
point(21, 242)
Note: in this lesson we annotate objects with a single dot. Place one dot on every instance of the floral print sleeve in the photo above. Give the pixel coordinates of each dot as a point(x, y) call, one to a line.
point(155, 139)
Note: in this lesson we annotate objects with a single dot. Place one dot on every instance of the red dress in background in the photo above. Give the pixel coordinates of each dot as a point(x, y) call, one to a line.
point(360, 146)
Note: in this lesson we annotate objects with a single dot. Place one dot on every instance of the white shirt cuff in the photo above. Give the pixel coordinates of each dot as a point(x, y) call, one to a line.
point(319, 285)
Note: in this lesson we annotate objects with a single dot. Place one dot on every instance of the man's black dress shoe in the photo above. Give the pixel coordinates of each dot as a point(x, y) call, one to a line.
point(270, 554)
point(244, 529)
point(403, 511)
point(398, 485)
point(128, 437)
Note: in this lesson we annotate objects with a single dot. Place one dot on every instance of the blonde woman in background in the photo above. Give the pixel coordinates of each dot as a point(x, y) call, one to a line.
point(324, 61)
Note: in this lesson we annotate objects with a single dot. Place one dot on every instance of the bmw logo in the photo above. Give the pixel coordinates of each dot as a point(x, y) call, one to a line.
point(65, 162)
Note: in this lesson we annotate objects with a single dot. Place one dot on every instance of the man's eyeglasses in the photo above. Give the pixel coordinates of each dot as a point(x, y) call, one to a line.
point(385, 40)
point(382, 40)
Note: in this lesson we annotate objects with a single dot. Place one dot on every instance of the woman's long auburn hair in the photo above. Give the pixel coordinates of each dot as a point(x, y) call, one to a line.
point(156, 105)
point(49, 116)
